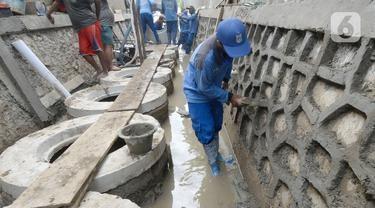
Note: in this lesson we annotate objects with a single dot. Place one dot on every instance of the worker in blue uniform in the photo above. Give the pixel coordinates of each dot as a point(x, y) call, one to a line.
point(206, 80)
point(145, 10)
point(184, 27)
point(193, 29)
point(169, 9)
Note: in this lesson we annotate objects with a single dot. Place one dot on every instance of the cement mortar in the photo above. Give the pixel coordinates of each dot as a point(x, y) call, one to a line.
point(21, 163)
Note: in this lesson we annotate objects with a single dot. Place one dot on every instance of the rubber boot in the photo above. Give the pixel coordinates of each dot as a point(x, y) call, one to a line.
point(215, 169)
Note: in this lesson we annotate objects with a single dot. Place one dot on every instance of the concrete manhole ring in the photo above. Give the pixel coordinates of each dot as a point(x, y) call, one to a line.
point(98, 200)
point(98, 99)
point(21, 163)
point(162, 76)
point(170, 54)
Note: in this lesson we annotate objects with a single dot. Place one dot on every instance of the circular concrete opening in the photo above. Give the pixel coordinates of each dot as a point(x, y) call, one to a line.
point(21, 163)
point(56, 153)
point(108, 99)
point(98, 99)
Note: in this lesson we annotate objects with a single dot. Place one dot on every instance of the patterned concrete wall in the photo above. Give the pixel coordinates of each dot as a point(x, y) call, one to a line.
point(311, 129)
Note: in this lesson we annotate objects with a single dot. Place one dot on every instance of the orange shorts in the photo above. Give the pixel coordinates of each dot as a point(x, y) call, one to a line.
point(90, 39)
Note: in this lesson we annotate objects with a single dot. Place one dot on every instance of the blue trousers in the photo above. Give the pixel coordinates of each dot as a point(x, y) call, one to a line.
point(207, 121)
point(189, 43)
point(183, 38)
point(147, 19)
point(172, 31)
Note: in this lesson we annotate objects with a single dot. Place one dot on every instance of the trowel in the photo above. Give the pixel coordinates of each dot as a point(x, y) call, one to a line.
point(247, 102)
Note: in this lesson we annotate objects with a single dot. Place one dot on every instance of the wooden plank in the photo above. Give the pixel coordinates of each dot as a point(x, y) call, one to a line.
point(132, 97)
point(11, 66)
point(52, 97)
point(67, 178)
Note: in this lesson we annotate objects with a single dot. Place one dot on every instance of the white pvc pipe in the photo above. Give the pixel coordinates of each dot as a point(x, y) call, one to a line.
point(26, 53)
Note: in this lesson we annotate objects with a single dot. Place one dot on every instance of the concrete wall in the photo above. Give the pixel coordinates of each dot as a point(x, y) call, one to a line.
point(308, 141)
point(26, 104)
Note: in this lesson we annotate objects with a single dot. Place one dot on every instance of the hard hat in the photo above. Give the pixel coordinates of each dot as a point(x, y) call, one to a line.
point(232, 34)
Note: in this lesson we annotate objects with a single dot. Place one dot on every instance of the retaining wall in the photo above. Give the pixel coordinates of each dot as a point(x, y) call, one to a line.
point(309, 139)
point(27, 101)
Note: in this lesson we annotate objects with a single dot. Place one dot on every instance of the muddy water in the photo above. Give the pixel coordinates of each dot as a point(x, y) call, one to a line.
point(190, 183)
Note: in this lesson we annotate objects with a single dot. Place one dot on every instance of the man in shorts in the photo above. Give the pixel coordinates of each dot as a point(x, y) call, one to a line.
point(107, 21)
point(86, 23)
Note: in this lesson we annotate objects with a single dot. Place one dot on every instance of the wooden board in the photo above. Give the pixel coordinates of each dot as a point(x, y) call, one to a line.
point(52, 97)
point(60, 184)
point(131, 98)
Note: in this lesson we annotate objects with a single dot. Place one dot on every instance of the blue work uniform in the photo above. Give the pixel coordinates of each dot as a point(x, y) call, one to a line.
point(184, 28)
point(193, 29)
point(169, 9)
point(206, 71)
point(145, 10)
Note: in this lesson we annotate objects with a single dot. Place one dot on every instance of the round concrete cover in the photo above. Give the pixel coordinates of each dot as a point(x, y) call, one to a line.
point(98, 200)
point(162, 75)
point(87, 101)
point(21, 163)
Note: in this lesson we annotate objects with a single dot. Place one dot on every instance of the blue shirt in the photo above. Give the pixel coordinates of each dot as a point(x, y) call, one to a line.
point(204, 75)
point(169, 9)
point(193, 23)
point(184, 22)
point(144, 6)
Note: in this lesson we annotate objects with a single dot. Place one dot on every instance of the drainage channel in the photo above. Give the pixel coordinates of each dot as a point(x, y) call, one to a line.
point(190, 183)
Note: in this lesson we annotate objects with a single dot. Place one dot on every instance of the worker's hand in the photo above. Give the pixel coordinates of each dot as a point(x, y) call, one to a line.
point(236, 100)
point(225, 85)
point(50, 18)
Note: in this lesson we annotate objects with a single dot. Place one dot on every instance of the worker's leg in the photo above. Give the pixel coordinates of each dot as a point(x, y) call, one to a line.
point(90, 59)
point(107, 38)
point(204, 127)
point(169, 31)
point(217, 109)
point(150, 23)
point(183, 38)
point(211, 149)
point(144, 25)
point(90, 44)
point(174, 31)
point(189, 43)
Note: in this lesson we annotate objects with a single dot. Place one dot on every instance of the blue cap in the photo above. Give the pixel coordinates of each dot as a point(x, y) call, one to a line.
point(232, 34)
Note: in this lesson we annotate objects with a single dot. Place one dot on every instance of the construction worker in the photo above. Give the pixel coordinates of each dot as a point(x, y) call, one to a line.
point(184, 27)
point(193, 29)
point(107, 21)
point(85, 22)
point(145, 10)
point(206, 80)
point(169, 9)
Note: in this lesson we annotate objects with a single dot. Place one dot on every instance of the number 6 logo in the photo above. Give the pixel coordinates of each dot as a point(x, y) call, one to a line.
point(345, 27)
